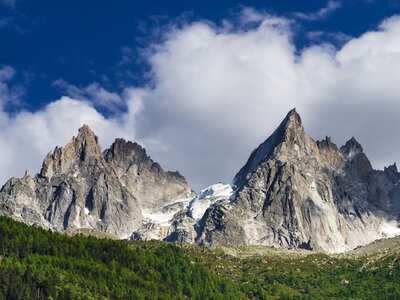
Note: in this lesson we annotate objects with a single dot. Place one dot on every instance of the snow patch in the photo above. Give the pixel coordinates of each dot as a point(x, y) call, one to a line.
point(390, 230)
point(159, 217)
point(216, 190)
point(207, 197)
point(198, 207)
point(195, 206)
point(157, 222)
point(164, 216)
point(86, 210)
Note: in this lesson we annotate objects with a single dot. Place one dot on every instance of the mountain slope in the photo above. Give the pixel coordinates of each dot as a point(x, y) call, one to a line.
point(295, 192)
point(81, 187)
point(40, 264)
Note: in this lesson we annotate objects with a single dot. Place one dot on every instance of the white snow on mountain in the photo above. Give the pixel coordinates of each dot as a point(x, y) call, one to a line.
point(207, 197)
point(390, 230)
point(195, 206)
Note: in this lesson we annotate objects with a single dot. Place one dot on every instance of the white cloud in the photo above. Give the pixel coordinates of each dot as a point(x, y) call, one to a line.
point(216, 95)
point(99, 96)
point(26, 137)
point(322, 13)
point(218, 92)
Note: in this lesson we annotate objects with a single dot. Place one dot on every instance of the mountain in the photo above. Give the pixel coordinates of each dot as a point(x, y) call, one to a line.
point(40, 264)
point(79, 186)
point(293, 192)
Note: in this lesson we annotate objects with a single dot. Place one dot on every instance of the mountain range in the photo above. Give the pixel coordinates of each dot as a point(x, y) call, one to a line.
point(293, 192)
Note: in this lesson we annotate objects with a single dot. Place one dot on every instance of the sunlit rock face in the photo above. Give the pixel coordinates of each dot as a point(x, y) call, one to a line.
point(294, 192)
point(79, 186)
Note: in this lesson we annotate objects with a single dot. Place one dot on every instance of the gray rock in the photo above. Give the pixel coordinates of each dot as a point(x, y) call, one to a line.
point(142, 176)
point(295, 192)
point(80, 187)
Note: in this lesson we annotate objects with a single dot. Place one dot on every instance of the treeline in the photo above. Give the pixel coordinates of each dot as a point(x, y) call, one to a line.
point(40, 264)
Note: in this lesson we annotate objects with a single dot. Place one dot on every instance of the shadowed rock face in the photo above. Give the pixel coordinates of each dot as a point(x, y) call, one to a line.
point(295, 192)
point(79, 186)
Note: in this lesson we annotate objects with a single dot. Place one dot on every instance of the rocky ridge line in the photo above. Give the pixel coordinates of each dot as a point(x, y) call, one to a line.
point(79, 186)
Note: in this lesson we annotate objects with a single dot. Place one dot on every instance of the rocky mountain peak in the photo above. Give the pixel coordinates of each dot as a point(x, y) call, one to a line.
point(392, 169)
point(290, 130)
point(86, 144)
point(84, 147)
point(357, 163)
point(143, 176)
point(124, 153)
point(86, 133)
point(81, 187)
point(351, 148)
point(289, 136)
point(292, 121)
point(294, 192)
point(327, 144)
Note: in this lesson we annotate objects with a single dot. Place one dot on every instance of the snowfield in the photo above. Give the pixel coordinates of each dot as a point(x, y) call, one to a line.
point(195, 207)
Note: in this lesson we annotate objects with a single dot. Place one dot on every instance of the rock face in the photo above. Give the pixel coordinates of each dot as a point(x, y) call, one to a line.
point(79, 186)
point(295, 192)
point(141, 176)
point(292, 192)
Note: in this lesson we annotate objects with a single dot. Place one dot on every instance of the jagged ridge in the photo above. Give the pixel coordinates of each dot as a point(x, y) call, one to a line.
point(79, 186)
point(293, 192)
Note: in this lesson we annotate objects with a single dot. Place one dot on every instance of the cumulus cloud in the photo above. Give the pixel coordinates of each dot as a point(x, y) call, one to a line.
point(26, 137)
point(216, 95)
point(219, 91)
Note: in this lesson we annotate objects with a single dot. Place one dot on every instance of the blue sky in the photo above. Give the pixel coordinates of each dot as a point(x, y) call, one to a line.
point(85, 41)
point(144, 70)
